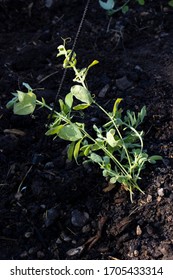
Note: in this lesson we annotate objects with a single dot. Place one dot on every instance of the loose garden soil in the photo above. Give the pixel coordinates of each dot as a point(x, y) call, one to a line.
point(61, 211)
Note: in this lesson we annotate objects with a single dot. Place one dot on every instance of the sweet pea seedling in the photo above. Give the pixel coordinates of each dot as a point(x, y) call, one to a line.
point(117, 145)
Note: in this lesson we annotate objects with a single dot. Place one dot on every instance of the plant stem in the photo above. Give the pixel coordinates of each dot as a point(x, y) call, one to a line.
point(112, 121)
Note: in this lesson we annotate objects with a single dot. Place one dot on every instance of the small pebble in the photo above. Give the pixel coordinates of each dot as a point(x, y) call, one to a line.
point(136, 253)
point(58, 241)
point(123, 83)
point(103, 91)
point(160, 192)
point(65, 237)
point(138, 230)
point(75, 251)
point(49, 165)
point(28, 234)
point(78, 218)
point(138, 68)
point(50, 216)
point(149, 198)
point(159, 198)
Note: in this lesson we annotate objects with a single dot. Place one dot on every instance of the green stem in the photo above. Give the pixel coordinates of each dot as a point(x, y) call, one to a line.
point(112, 120)
point(40, 103)
point(88, 136)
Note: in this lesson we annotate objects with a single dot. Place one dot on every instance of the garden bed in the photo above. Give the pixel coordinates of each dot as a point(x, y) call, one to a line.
point(62, 211)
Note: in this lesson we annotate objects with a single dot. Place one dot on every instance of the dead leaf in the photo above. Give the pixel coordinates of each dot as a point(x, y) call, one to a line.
point(109, 187)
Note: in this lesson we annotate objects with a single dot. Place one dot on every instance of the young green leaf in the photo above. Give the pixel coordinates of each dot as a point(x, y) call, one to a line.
point(110, 138)
point(77, 149)
point(141, 2)
point(113, 180)
point(154, 158)
point(81, 107)
point(81, 94)
point(21, 95)
point(115, 107)
point(69, 100)
point(107, 5)
point(95, 158)
point(141, 115)
point(61, 104)
point(92, 64)
point(27, 86)
point(62, 50)
point(70, 132)
point(54, 130)
point(26, 104)
point(70, 150)
point(11, 103)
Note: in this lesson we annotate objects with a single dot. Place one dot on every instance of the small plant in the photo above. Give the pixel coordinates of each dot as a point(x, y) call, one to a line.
point(116, 146)
point(112, 7)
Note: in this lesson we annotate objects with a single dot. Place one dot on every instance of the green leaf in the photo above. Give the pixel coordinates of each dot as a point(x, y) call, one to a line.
point(81, 94)
point(113, 180)
point(142, 114)
point(69, 100)
point(21, 95)
point(54, 130)
point(27, 104)
point(70, 150)
point(43, 101)
point(77, 149)
point(141, 2)
point(154, 158)
point(110, 138)
point(27, 86)
point(64, 107)
point(115, 108)
point(107, 5)
point(70, 132)
point(61, 50)
point(11, 102)
point(125, 9)
point(98, 130)
point(61, 104)
point(81, 107)
point(95, 158)
point(87, 150)
point(92, 64)
point(170, 3)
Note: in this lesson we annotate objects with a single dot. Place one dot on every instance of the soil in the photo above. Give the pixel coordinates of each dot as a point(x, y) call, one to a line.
point(61, 211)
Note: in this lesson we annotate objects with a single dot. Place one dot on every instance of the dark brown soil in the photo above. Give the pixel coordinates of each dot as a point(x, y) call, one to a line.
point(62, 206)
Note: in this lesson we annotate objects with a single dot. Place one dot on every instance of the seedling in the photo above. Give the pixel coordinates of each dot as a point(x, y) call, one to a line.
point(111, 5)
point(117, 145)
